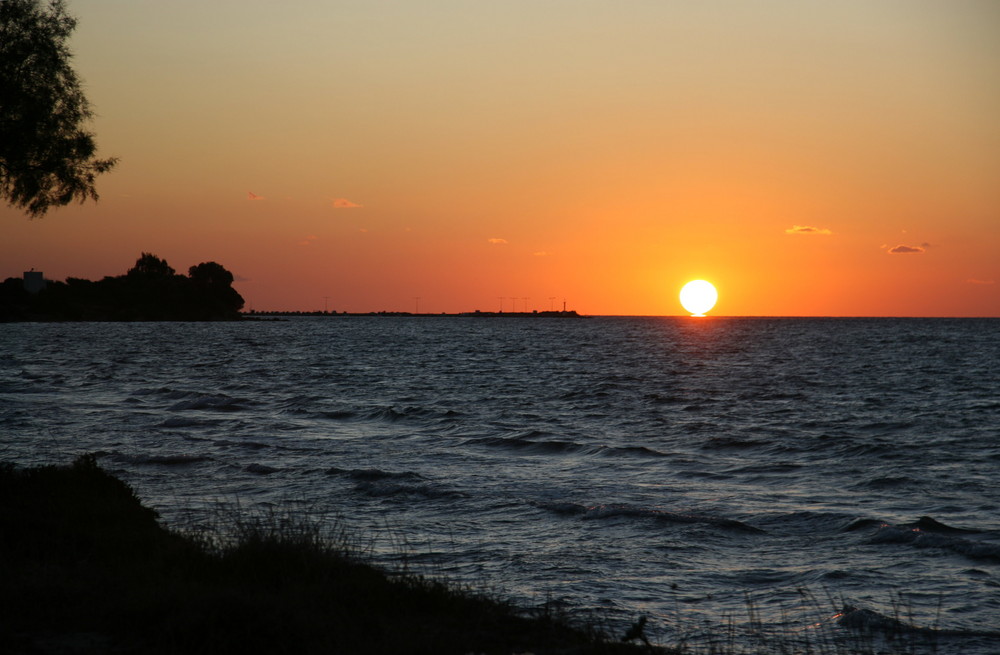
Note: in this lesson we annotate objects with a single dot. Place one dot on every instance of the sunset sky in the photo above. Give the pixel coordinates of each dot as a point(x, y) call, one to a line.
point(808, 158)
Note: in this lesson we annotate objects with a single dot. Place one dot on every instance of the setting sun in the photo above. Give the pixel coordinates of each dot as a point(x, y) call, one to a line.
point(698, 296)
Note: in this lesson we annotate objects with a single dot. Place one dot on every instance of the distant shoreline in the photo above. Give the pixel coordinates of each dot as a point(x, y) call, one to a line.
point(475, 314)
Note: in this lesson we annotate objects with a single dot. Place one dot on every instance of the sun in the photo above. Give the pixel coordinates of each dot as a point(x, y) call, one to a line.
point(698, 296)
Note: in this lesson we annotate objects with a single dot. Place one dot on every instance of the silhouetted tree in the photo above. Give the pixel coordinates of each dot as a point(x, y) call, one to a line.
point(214, 298)
point(150, 291)
point(210, 274)
point(46, 157)
point(150, 266)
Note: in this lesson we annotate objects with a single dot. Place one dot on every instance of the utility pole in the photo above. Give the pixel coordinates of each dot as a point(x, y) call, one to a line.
point(326, 309)
point(525, 305)
point(416, 308)
point(551, 298)
point(502, 298)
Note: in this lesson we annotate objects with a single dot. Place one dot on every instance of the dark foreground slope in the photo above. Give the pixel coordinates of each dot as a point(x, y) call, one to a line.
point(84, 567)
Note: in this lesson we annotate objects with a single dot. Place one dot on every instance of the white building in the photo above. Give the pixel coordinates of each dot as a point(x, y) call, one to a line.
point(34, 281)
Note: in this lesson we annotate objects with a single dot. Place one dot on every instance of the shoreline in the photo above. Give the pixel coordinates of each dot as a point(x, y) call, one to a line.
point(86, 567)
point(474, 314)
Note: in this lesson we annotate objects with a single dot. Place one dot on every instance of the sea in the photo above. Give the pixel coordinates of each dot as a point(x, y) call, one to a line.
point(742, 483)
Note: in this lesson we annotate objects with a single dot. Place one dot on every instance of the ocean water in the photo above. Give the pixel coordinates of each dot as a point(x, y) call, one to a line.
point(694, 471)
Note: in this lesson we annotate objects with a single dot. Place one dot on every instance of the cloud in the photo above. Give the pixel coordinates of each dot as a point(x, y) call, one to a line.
point(906, 250)
point(807, 229)
point(540, 253)
point(973, 280)
point(497, 242)
point(253, 196)
point(344, 203)
point(309, 240)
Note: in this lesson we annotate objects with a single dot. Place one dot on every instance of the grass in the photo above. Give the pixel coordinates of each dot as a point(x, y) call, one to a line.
point(85, 567)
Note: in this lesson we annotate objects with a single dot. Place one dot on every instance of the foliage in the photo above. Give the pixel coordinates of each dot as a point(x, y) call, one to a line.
point(47, 159)
point(151, 267)
point(149, 291)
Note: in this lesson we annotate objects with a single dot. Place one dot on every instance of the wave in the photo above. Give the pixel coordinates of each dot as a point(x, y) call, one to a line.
point(387, 414)
point(530, 441)
point(185, 422)
point(218, 403)
point(338, 414)
point(159, 460)
point(536, 442)
point(374, 474)
point(776, 467)
point(929, 524)
point(640, 451)
point(261, 469)
point(885, 482)
point(807, 522)
point(378, 483)
point(732, 443)
point(602, 512)
point(869, 622)
point(866, 449)
point(664, 399)
point(167, 392)
point(252, 445)
point(861, 524)
point(927, 532)
point(390, 488)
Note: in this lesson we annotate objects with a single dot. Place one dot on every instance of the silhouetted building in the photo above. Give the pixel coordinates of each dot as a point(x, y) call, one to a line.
point(34, 281)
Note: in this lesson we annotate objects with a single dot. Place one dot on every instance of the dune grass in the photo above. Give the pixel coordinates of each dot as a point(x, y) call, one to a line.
point(85, 567)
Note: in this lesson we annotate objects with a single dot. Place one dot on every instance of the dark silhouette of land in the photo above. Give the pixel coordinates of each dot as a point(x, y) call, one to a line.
point(86, 568)
point(150, 291)
point(476, 314)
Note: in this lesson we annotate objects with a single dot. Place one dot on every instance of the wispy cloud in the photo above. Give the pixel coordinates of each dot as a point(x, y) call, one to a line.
point(907, 250)
point(973, 280)
point(540, 253)
point(497, 242)
point(253, 196)
point(309, 240)
point(807, 229)
point(344, 203)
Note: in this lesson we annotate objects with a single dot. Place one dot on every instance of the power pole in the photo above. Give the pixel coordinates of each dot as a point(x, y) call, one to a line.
point(326, 309)
point(502, 298)
point(551, 298)
point(416, 308)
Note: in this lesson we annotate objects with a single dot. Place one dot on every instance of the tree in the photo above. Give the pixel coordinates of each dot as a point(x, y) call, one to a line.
point(211, 275)
point(212, 296)
point(47, 159)
point(152, 267)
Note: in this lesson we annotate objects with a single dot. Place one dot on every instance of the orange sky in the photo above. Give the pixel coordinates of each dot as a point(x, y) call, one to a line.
point(599, 152)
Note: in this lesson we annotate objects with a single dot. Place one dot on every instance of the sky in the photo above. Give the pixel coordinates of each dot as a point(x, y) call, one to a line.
point(807, 158)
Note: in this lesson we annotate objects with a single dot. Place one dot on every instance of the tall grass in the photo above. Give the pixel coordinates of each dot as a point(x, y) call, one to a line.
point(84, 567)
point(811, 625)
